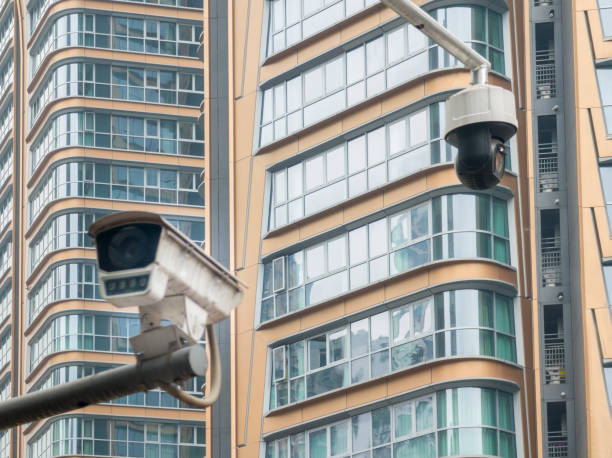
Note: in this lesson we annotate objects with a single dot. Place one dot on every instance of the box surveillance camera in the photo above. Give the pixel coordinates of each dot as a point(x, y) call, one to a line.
point(145, 261)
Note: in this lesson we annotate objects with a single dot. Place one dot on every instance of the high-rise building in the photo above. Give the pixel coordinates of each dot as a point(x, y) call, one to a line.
point(99, 108)
point(392, 312)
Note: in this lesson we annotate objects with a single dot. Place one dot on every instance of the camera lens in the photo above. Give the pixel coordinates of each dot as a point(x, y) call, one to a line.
point(128, 247)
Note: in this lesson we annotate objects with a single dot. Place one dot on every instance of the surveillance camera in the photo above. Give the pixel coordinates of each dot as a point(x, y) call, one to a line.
point(145, 261)
point(479, 120)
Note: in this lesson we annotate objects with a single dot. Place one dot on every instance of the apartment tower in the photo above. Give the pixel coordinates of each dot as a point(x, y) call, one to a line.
point(100, 103)
point(392, 312)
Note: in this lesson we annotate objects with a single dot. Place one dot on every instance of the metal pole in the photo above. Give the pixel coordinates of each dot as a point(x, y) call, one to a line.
point(479, 65)
point(113, 383)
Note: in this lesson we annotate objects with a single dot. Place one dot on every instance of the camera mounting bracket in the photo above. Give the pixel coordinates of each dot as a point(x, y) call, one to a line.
point(160, 340)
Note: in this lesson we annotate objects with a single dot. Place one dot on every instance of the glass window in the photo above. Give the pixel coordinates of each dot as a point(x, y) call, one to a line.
point(410, 427)
point(126, 132)
point(604, 78)
point(460, 228)
point(117, 437)
point(54, 186)
point(393, 58)
point(118, 33)
point(358, 164)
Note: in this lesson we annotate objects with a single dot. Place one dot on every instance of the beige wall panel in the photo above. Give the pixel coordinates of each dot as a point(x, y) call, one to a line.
point(282, 150)
point(355, 118)
point(404, 95)
point(242, 199)
point(250, 257)
point(591, 191)
point(325, 130)
point(245, 318)
point(366, 393)
point(604, 331)
point(588, 91)
point(282, 239)
point(244, 383)
point(599, 420)
point(361, 206)
point(603, 230)
point(446, 80)
point(445, 176)
point(604, 145)
point(317, 409)
point(363, 300)
point(404, 190)
point(245, 19)
point(244, 119)
point(276, 65)
point(369, 19)
point(458, 270)
point(593, 291)
point(602, 48)
point(282, 328)
point(406, 283)
point(324, 314)
point(326, 42)
point(463, 368)
point(409, 380)
point(310, 228)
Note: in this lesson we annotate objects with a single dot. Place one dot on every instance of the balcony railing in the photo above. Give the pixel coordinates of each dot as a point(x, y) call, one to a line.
point(557, 444)
point(546, 86)
point(548, 167)
point(551, 261)
point(554, 359)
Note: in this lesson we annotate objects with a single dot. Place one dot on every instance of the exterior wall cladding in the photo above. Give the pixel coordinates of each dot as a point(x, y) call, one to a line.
point(390, 312)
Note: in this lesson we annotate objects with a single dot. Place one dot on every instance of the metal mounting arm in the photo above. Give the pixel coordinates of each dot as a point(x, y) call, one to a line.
point(111, 384)
point(479, 65)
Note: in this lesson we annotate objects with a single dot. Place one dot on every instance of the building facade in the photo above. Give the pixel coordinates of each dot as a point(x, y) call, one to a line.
point(100, 104)
point(392, 312)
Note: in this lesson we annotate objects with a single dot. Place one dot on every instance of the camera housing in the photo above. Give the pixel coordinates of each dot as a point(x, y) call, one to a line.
point(145, 261)
point(479, 120)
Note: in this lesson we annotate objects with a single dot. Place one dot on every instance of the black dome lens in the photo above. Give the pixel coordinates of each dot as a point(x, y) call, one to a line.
point(128, 247)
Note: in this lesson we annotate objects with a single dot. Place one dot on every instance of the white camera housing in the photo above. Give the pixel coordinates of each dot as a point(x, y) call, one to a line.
point(144, 261)
point(479, 120)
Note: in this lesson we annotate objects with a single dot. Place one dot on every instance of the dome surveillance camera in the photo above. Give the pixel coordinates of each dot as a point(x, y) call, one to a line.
point(479, 120)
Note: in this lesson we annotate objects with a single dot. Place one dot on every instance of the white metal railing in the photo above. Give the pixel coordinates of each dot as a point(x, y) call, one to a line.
point(548, 167)
point(551, 261)
point(557, 444)
point(554, 359)
point(546, 86)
